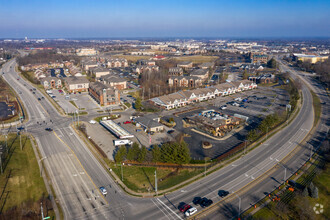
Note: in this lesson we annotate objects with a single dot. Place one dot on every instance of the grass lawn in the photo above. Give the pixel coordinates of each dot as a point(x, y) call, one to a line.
point(317, 107)
point(24, 189)
point(140, 179)
point(73, 103)
point(197, 58)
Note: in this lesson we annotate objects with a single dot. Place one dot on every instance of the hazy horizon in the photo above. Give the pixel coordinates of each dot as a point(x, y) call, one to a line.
point(170, 19)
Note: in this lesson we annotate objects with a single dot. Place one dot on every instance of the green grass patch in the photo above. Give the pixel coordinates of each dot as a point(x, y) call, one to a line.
point(127, 104)
point(197, 58)
point(142, 179)
point(80, 113)
point(317, 107)
point(73, 103)
point(22, 188)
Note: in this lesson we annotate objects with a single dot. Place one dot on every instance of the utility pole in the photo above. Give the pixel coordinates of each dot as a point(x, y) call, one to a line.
point(7, 144)
point(42, 211)
point(20, 140)
point(122, 173)
point(156, 181)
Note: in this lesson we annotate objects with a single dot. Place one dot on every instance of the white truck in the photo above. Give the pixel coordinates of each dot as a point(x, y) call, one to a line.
point(122, 142)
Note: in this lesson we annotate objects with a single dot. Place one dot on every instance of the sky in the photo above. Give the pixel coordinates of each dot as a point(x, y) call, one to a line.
point(167, 18)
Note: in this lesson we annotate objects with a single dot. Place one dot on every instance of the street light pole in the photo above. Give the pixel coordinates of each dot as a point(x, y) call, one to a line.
point(205, 167)
point(42, 211)
point(122, 173)
point(310, 156)
point(156, 181)
point(1, 162)
point(284, 169)
point(239, 203)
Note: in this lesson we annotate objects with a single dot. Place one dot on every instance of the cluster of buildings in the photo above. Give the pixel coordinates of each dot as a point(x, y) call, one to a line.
point(183, 98)
point(196, 77)
point(214, 123)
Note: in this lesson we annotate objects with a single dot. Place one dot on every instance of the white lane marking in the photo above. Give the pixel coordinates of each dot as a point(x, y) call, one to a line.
point(160, 209)
point(169, 208)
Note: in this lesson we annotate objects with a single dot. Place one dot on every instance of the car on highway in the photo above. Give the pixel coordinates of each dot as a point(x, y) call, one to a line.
point(197, 200)
point(48, 129)
point(184, 207)
point(127, 122)
point(103, 190)
point(190, 211)
point(206, 202)
point(223, 193)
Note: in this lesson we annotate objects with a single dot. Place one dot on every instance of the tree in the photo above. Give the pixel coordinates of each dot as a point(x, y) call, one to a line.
point(175, 152)
point(138, 104)
point(245, 74)
point(272, 63)
point(133, 152)
point(156, 154)
point(121, 154)
point(142, 154)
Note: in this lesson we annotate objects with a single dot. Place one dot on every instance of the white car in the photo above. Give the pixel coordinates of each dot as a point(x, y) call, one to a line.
point(92, 121)
point(190, 211)
point(103, 190)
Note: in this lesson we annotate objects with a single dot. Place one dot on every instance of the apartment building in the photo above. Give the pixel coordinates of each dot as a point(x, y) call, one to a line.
point(104, 94)
point(117, 62)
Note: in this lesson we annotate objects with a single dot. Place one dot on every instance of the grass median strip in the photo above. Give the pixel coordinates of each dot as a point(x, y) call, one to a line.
point(22, 188)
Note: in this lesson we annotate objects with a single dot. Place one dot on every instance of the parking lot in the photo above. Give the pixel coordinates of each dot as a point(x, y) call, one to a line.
point(82, 101)
point(259, 103)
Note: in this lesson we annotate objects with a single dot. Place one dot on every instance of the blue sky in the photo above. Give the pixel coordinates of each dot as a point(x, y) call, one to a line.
point(167, 18)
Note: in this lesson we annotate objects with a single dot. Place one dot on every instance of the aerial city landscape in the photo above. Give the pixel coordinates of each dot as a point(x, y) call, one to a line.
point(167, 110)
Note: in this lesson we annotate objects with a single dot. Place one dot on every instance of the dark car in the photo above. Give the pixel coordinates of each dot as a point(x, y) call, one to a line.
point(184, 207)
point(206, 202)
point(48, 129)
point(170, 131)
point(39, 99)
point(197, 200)
point(223, 193)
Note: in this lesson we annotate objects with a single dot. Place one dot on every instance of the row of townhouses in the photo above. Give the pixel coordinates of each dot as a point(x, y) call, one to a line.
point(183, 98)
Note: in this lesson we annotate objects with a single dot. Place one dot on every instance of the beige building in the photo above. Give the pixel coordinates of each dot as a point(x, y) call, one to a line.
point(86, 52)
point(117, 62)
point(309, 58)
point(76, 84)
point(98, 71)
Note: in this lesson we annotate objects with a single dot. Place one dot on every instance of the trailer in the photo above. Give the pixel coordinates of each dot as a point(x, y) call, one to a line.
point(122, 142)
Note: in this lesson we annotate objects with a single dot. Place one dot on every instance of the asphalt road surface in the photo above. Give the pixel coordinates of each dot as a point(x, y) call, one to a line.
point(76, 175)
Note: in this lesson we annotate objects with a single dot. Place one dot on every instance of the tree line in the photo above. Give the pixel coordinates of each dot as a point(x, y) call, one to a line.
point(171, 152)
point(266, 125)
point(45, 57)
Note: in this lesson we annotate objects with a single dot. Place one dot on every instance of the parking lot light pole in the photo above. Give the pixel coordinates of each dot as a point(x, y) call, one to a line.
point(310, 156)
point(239, 204)
point(284, 169)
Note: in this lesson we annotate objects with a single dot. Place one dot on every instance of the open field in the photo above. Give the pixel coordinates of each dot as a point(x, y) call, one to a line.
point(22, 188)
point(197, 58)
point(142, 179)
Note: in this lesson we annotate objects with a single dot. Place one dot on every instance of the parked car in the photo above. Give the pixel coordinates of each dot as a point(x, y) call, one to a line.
point(223, 107)
point(184, 207)
point(103, 190)
point(39, 99)
point(92, 122)
point(127, 122)
point(223, 193)
point(190, 211)
point(48, 129)
point(170, 131)
point(197, 200)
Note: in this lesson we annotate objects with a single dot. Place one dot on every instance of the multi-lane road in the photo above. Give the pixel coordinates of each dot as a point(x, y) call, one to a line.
point(76, 174)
